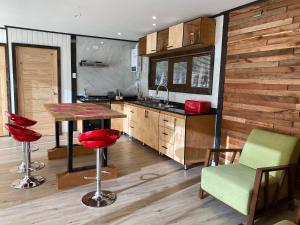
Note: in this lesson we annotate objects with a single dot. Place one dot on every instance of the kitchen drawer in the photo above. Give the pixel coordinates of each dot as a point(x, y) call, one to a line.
point(166, 149)
point(166, 134)
point(167, 121)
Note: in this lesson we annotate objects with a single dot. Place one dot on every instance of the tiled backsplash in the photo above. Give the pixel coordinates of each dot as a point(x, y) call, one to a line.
point(117, 75)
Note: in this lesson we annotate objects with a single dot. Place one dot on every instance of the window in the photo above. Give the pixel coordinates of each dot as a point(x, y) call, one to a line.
point(190, 72)
point(201, 72)
point(161, 73)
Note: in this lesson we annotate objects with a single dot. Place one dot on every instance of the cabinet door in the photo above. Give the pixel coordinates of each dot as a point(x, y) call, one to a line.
point(151, 43)
point(179, 140)
point(175, 36)
point(126, 120)
point(117, 124)
point(150, 128)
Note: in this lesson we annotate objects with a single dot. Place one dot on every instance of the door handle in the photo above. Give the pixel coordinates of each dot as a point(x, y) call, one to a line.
point(54, 92)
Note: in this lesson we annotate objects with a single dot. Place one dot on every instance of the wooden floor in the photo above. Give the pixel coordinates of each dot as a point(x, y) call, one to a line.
point(152, 190)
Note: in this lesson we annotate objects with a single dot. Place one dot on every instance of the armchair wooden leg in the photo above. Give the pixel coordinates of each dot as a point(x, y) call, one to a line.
point(201, 193)
point(250, 220)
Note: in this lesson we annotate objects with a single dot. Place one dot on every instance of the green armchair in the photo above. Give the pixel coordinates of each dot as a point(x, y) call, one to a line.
point(264, 175)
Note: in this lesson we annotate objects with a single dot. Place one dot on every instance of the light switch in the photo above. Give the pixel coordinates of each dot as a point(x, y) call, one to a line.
point(74, 75)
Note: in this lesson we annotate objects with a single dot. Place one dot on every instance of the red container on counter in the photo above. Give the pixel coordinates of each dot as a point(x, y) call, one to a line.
point(196, 106)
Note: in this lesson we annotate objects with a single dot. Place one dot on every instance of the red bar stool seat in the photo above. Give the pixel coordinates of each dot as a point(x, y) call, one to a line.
point(25, 122)
point(99, 139)
point(21, 121)
point(25, 136)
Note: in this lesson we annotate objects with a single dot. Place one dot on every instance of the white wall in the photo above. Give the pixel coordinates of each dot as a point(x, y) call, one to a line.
point(48, 39)
point(2, 36)
point(116, 75)
point(181, 97)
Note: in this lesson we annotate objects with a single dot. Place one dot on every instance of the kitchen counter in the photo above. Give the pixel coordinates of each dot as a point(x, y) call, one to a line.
point(177, 109)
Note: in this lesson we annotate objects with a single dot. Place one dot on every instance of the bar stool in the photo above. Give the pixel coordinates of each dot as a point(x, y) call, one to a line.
point(25, 122)
point(25, 136)
point(99, 139)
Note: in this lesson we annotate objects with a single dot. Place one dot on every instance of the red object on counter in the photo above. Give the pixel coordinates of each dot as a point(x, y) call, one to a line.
point(196, 107)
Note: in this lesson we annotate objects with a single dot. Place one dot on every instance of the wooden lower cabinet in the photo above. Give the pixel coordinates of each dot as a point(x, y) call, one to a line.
point(184, 139)
point(143, 124)
point(118, 124)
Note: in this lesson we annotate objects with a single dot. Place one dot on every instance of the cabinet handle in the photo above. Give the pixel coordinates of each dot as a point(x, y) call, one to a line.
point(154, 50)
point(131, 127)
point(146, 114)
point(131, 111)
point(170, 46)
point(174, 122)
point(166, 120)
point(164, 133)
point(164, 147)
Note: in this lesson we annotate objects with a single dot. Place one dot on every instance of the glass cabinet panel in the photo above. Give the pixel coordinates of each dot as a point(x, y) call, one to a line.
point(161, 75)
point(201, 72)
point(179, 72)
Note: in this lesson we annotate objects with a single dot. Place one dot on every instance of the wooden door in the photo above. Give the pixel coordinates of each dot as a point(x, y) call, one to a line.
point(149, 128)
point(37, 84)
point(3, 92)
point(117, 124)
point(179, 140)
point(151, 43)
point(175, 36)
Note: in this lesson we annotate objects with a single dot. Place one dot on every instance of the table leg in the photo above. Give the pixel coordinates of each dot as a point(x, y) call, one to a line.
point(57, 134)
point(70, 146)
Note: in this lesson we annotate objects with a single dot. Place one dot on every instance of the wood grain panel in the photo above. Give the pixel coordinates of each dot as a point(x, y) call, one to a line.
point(262, 82)
point(37, 82)
point(3, 92)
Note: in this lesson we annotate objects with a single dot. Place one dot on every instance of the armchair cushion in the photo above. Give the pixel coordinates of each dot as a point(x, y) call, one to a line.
point(267, 149)
point(233, 185)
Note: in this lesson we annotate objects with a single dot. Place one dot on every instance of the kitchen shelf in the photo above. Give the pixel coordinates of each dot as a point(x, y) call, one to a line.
point(95, 64)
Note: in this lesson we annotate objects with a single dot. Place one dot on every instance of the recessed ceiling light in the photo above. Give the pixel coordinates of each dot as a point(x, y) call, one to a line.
point(154, 17)
point(119, 33)
point(154, 24)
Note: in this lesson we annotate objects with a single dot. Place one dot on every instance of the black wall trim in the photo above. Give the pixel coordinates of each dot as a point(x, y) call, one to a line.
point(80, 35)
point(7, 76)
point(222, 80)
point(73, 68)
point(13, 48)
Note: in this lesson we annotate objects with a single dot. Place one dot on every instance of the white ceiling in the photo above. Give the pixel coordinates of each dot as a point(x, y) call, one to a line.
point(133, 18)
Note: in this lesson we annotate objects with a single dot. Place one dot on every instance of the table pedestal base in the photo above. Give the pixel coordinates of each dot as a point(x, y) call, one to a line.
point(61, 152)
point(67, 180)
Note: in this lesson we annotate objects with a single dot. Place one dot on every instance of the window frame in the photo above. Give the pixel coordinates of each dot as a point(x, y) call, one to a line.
point(178, 57)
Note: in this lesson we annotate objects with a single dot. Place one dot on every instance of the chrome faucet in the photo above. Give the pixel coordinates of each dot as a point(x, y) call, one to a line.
point(166, 89)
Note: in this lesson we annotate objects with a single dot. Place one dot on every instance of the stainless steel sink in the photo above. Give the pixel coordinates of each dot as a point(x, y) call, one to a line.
point(158, 105)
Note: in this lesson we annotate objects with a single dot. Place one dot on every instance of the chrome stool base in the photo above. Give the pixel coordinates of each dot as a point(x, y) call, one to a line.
point(106, 198)
point(28, 182)
point(34, 166)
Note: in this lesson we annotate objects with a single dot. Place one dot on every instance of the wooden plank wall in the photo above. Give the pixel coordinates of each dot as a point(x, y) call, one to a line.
point(262, 82)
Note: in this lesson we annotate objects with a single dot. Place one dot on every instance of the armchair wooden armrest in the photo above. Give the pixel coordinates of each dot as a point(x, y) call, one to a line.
point(217, 152)
point(298, 217)
point(289, 170)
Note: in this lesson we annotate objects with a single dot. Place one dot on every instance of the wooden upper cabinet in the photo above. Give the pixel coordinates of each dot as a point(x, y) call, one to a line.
point(151, 43)
point(175, 36)
point(162, 40)
point(199, 31)
point(142, 46)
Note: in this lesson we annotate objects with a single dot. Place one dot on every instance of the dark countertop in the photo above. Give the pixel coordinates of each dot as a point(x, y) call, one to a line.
point(179, 109)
